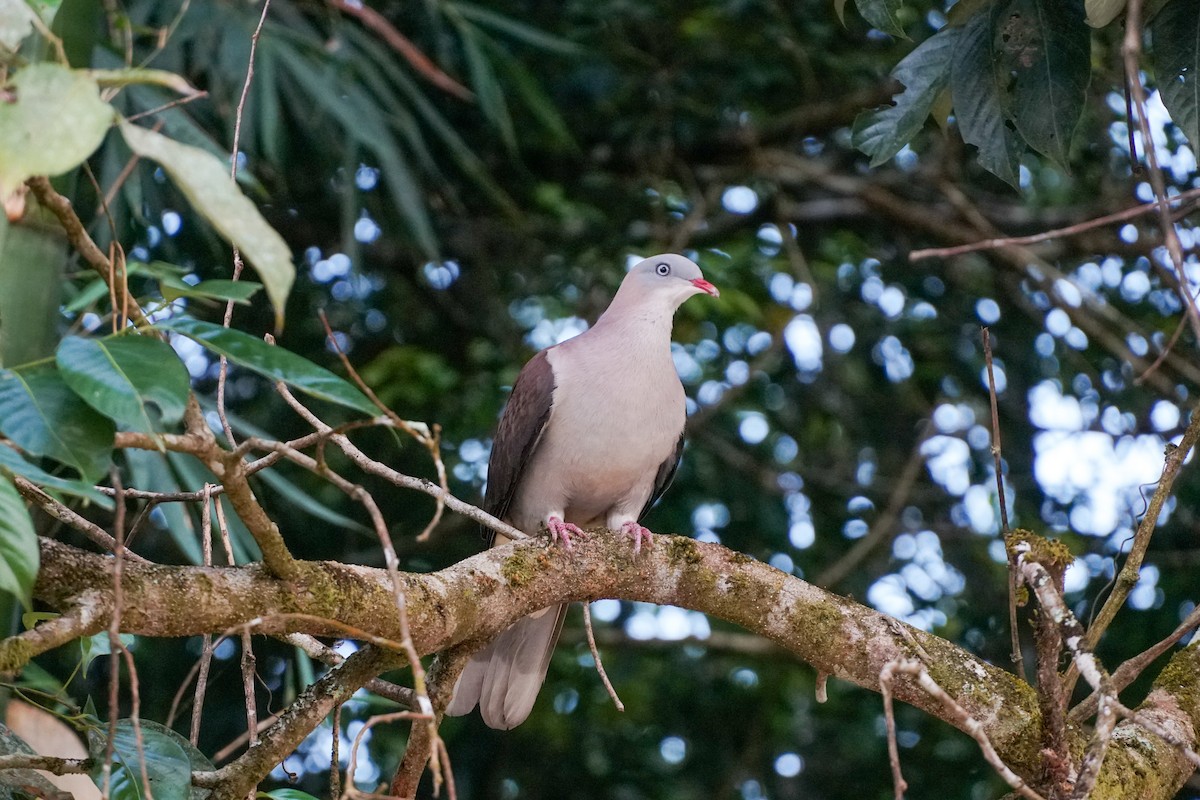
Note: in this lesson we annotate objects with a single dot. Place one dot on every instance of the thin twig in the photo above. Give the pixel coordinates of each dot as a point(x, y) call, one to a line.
point(1014, 631)
point(1130, 572)
point(1131, 49)
point(962, 720)
point(248, 660)
point(886, 675)
point(394, 716)
point(591, 640)
point(1128, 671)
point(372, 19)
point(428, 436)
point(38, 497)
point(1070, 230)
point(206, 648)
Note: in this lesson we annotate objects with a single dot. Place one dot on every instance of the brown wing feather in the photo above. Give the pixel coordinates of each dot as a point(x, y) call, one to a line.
point(666, 474)
point(517, 436)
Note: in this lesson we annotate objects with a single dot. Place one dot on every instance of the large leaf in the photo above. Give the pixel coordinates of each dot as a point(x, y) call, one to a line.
point(120, 375)
point(169, 761)
point(41, 414)
point(31, 262)
point(1176, 56)
point(1042, 48)
point(977, 103)
point(882, 14)
point(56, 121)
point(11, 463)
point(16, 22)
point(205, 182)
point(273, 362)
point(18, 544)
point(925, 72)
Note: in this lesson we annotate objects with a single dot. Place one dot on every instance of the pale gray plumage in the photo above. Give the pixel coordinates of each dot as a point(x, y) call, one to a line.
point(591, 437)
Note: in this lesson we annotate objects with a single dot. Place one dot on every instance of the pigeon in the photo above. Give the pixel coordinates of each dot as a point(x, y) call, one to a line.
point(591, 437)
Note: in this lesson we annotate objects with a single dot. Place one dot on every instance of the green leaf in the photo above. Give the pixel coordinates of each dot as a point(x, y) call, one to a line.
point(131, 76)
point(882, 14)
point(1175, 32)
point(500, 23)
point(120, 375)
point(56, 121)
point(32, 257)
point(18, 544)
point(273, 362)
point(925, 72)
point(97, 645)
point(11, 463)
point(1042, 47)
point(169, 760)
point(977, 102)
point(205, 181)
point(239, 292)
point(299, 498)
point(287, 794)
point(41, 414)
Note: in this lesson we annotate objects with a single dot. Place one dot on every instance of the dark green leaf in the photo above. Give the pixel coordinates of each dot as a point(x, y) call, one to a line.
point(1175, 32)
point(12, 463)
point(925, 72)
point(272, 362)
point(517, 30)
point(882, 14)
point(120, 375)
point(31, 262)
point(301, 499)
point(977, 102)
point(18, 544)
point(1042, 55)
point(287, 794)
point(169, 760)
point(41, 414)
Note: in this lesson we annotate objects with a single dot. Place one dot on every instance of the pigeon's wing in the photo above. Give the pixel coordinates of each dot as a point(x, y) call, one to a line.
point(518, 434)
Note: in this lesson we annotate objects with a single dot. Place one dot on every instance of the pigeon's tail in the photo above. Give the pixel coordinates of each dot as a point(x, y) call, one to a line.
point(504, 677)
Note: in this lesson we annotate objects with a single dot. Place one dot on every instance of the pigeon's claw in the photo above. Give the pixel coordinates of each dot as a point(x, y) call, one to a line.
point(632, 528)
point(562, 530)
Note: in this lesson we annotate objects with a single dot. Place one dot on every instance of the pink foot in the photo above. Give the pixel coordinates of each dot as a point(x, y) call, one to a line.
point(635, 530)
point(564, 530)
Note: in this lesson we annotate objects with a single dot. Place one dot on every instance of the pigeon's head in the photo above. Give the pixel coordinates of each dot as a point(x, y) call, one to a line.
point(671, 277)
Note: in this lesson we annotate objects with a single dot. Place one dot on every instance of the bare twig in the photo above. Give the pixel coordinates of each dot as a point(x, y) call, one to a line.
point(1070, 230)
point(1128, 671)
point(1130, 572)
point(961, 720)
point(1131, 50)
point(372, 19)
point(78, 236)
point(591, 640)
point(889, 715)
point(38, 497)
point(427, 436)
point(206, 649)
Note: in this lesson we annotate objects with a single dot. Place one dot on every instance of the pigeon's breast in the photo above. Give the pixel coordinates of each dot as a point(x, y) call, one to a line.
point(609, 431)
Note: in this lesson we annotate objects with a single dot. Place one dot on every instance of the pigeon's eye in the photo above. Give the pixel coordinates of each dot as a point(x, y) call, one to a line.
point(663, 269)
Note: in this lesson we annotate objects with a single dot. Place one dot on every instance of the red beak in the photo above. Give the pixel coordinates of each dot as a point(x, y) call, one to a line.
point(706, 287)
